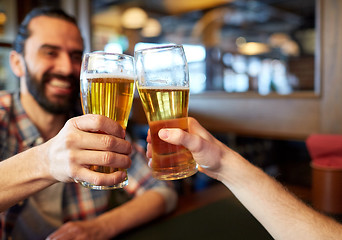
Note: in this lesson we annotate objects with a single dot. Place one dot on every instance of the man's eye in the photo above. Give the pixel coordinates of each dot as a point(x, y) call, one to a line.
point(50, 53)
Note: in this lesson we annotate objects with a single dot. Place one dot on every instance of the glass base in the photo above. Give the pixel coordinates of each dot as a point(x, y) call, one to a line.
point(97, 187)
point(173, 173)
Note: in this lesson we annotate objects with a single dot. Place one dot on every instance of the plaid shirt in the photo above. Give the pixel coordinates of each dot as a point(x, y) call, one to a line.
point(18, 133)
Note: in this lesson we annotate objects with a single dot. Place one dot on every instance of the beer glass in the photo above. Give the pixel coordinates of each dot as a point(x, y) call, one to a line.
point(163, 86)
point(107, 88)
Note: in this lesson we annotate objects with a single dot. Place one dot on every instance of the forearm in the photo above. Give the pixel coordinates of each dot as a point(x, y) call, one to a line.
point(281, 213)
point(21, 176)
point(136, 212)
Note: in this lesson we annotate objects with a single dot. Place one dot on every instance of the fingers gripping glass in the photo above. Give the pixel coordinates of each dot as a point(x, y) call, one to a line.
point(107, 88)
point(163, 85)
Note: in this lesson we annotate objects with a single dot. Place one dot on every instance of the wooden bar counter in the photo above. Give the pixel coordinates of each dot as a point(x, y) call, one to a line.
point(213, 213)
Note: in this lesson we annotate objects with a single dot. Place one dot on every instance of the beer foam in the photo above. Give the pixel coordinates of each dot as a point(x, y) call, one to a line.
point(165, 87)
point(108, 75)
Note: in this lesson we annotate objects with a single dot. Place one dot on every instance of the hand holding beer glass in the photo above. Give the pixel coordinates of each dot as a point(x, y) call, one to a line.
point(163, 86)
point(107, 88)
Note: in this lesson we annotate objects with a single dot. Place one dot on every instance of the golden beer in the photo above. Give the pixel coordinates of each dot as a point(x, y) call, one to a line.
point(168, 108)
point(111, 96)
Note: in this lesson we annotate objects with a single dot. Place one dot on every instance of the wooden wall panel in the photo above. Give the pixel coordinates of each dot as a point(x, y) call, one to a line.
point(331, 66)
point(280, 118)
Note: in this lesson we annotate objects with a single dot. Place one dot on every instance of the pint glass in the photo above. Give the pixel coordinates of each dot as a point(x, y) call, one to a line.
point(107, 88)
point(163, 86)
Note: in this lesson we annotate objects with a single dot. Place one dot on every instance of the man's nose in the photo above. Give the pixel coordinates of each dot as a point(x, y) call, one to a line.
point(64, 64)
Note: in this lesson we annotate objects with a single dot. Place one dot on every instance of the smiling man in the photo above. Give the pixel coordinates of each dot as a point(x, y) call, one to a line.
point(53, 63)
point(48, 66)
point(43, 147)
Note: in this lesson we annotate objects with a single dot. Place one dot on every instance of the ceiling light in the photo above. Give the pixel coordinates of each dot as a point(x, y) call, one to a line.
point(3, 18)
point(134, 18)
point(254, 48)
point(152, 28)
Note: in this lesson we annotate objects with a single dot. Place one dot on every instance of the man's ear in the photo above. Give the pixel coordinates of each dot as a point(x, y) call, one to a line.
point(17, 63)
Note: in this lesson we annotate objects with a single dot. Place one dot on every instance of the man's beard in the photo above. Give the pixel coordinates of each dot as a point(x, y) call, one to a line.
point(37, 90)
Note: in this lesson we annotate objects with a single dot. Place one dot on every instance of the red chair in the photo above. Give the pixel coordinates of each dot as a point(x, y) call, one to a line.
point(326, 155)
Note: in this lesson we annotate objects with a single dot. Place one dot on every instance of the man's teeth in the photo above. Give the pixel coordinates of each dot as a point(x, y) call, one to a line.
point(61, 84)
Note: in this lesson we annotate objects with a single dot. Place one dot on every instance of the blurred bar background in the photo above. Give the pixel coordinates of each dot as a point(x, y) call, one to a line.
point(264, 74)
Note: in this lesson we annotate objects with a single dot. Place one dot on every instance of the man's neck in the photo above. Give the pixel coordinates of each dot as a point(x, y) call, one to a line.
point(47, 123)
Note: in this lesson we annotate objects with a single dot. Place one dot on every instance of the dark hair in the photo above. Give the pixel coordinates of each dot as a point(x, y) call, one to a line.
point(23, 31)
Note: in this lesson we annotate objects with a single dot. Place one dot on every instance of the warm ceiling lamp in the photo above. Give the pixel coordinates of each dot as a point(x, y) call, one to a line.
point(183, 6)
point(152, 28)
point(134, 18)
point(3, 18)
point(278, 39)
point(253, 48)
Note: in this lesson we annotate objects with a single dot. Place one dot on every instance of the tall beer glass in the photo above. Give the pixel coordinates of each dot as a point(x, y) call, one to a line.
point(163, 86)
point(107, 88)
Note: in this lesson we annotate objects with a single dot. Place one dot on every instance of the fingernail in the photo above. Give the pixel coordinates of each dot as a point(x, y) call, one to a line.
point(163, 133)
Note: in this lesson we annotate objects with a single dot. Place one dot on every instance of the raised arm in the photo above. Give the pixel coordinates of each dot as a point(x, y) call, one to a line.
point(280, 212)
point(150, 198)
point(65, 158)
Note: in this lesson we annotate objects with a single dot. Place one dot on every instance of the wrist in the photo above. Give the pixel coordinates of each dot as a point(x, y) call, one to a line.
point(42, 163)
point(231, 172)
point(105, 226)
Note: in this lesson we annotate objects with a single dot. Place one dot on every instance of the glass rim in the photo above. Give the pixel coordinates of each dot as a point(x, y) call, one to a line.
point(103, 53)
point(163, 47)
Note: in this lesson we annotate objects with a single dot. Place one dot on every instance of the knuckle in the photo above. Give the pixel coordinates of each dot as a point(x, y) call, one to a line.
point(96, 179)
point(69, 140)
point(198, 144)
point(108, 142)
point(97, 120)
point(72, 156)
point(107, 158)
point(70, 122)
point(73, 165)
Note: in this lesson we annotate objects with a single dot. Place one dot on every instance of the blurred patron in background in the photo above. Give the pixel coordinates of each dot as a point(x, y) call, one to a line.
point(45, 146)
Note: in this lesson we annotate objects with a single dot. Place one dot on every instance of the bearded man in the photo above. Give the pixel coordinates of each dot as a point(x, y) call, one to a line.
point(44, 146)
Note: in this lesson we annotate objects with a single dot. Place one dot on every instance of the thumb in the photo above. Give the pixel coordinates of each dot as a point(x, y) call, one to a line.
point(205, 153)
